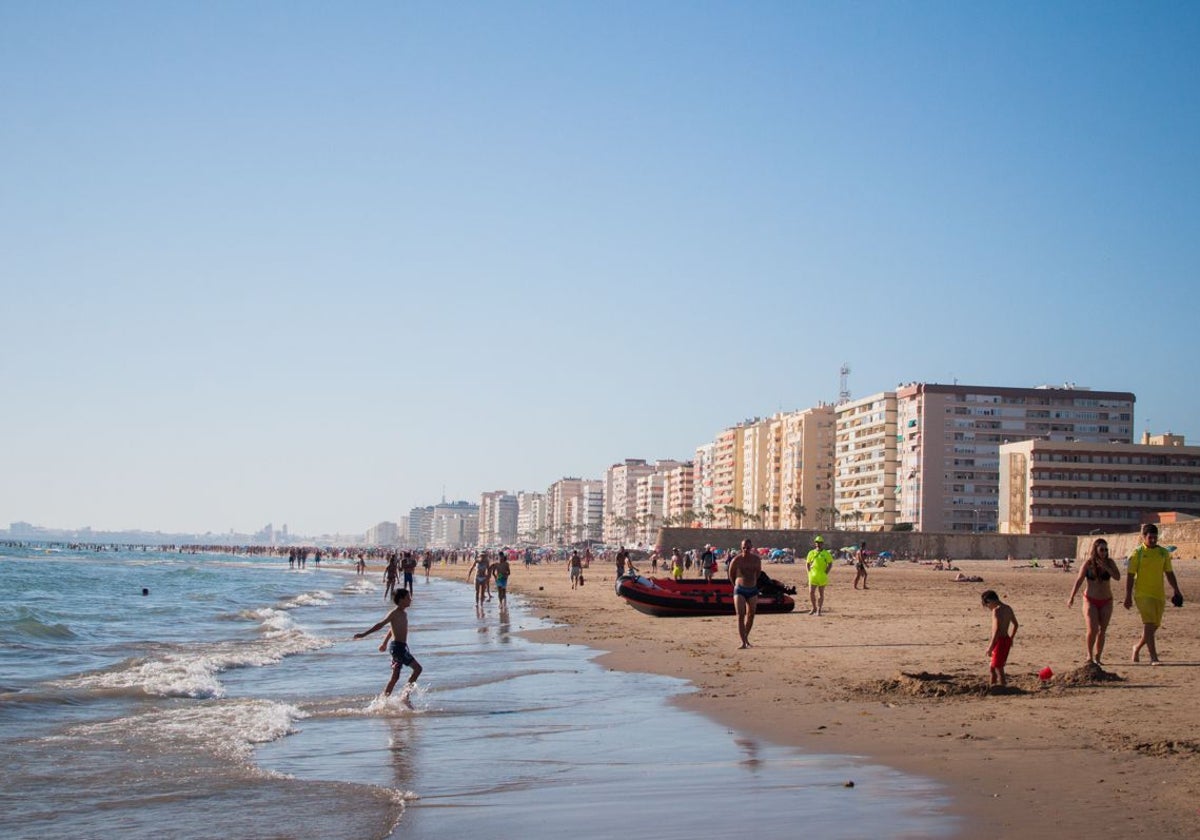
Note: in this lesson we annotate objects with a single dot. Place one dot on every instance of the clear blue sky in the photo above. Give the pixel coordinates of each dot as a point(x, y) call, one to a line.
point(311, 262)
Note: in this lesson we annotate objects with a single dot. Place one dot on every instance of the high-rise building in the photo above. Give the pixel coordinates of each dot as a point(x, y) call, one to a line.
point(383, 534)
point(678, 493)
point(498, 511)
point(864, 486)
point(531, 516)
point(574, 510)
point(702, 484)
point(802, 466)
point(949, 436)
point(620, 499)
point(420, 527)
point(454, 525)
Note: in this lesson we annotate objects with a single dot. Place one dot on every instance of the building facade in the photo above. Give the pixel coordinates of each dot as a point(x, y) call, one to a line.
point(1069, 487)
point(950, 438)
point(620, 500)
point(531, 516)
point(864, 494)
point(498, 513)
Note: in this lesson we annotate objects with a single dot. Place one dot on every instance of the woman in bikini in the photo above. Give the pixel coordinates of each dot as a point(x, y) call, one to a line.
point(1098, 572)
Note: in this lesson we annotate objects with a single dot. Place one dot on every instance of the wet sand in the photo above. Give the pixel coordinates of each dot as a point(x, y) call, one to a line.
point(898, 674)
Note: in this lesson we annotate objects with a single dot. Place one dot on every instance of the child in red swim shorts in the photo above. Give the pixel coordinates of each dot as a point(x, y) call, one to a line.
point(1004, 630)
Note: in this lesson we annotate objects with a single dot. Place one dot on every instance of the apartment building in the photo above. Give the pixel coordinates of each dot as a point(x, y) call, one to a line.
point(385, 533)
point(802, 467)
point(754, 500)
point(702, 482)
point(574, 510)
point(950, 436)
point(865, 461)
point(1069, 487)
point(728, 476)
point(498, 511)
point(420, 527)
point(531, 516)
point(454, 525)
point(620, 499)
point(678, 492)
point(648, 497)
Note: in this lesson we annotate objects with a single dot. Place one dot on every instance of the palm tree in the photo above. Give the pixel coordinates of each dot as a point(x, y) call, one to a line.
point(798, 511)
point(763, 511)
point(709, 515)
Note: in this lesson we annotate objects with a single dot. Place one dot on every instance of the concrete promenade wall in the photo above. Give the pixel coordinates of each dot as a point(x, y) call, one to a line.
point(1185, 536)
point(929, 545)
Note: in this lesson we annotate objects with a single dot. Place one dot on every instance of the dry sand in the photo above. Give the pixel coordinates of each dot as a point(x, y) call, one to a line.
point(897, 674)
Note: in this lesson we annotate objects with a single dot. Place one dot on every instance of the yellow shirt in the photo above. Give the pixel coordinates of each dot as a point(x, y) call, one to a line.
point(819, 563)
point(1147, 566)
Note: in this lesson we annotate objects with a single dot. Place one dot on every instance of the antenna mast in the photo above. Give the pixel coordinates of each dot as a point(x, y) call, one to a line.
point(844, 390)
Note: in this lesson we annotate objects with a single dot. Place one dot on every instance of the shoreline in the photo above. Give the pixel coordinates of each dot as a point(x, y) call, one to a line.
point(1061, 758)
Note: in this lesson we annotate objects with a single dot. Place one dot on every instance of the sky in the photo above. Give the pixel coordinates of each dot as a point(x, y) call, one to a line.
point(318, 263)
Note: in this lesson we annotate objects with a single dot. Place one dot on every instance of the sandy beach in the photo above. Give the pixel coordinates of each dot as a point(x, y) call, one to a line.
point(897, 674)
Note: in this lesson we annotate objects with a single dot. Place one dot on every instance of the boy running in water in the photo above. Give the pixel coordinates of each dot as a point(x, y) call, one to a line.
point(401, 656)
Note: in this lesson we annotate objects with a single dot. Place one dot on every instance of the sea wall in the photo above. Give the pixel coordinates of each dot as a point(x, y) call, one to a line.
point(905, 543)
point(1185, 536)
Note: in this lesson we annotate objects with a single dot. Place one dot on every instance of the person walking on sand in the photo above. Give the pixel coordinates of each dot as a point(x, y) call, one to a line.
point(398, 632)
point(708, 563)
point(819, 562)
point(676, 564)
point(1004, 630)
point(575, 567)
point(743, 574)
point(1098, 572)
point(1147, 567)
point(860, 565)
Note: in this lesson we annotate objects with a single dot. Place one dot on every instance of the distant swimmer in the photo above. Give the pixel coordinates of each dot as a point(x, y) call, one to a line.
point(145, 591)
point(401, 655)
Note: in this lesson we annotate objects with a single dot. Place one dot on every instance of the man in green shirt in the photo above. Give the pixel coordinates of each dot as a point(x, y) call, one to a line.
point(819, 563)
point(1148, 565)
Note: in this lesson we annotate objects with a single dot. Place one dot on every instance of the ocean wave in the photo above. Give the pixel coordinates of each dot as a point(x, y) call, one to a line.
point(194, 673)
point(360, 585)
point(317, 598)
point(231, 729)
point(29, 627)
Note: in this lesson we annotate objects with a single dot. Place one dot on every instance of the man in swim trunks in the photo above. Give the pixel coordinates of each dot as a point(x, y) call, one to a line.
point(1004, 630)
point(819, 562)
point(398, 632)
point(743, 574)
point(500, 571)
point(408, 566)
point(1148, 565)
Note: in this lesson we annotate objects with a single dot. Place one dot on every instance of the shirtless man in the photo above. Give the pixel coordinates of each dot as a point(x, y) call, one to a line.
point(500, 571)
point(401, 656)
point(743, 574)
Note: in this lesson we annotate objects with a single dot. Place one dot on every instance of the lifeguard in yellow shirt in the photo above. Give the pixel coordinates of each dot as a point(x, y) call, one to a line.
point(819, 563)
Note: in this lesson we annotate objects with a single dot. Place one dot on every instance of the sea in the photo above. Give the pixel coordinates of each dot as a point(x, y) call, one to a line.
point(230, 700)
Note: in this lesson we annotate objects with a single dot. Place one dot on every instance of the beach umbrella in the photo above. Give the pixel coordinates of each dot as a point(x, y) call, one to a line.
point(885, 554)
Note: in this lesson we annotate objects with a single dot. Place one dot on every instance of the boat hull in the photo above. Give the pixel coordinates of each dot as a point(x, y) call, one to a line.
point(667, 598)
